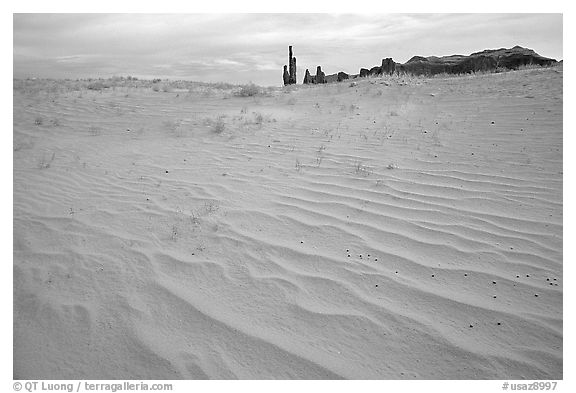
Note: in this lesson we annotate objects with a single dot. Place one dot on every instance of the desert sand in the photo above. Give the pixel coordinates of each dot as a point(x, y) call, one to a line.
point(391, 228)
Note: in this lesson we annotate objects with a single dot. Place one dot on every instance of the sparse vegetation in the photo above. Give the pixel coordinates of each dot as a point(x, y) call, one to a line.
point(94, 130)
point(361, 169)
point(45, 163)
point(217, 125)
point(98, 85)
point(298, 165)
point(249, 90)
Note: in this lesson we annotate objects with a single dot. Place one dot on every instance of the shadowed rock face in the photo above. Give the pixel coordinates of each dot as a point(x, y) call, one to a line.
point(487, 60)
point(291, 69)
point(388, 66)
point(320, 76)
point(342, 76)
point(375, 71)
point(286, 76)
point(307, 78)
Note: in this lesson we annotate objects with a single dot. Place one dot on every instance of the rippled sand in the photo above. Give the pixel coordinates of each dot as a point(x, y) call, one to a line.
point(390, 230)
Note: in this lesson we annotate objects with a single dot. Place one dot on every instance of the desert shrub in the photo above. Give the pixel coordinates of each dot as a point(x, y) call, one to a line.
point(173, 126)
point(249, 90)
point(217, 125)
point(38, 121)
point(257, 118)
point(361, 169)
point(94, 130)
point(298, 165)
point(45, 163)
point(98, 85)
point(221, 86)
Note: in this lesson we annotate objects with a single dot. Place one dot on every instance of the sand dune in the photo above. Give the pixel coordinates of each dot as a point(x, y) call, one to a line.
point(396, 229)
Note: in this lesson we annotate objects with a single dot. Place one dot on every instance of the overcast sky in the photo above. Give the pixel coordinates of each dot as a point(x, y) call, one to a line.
point(239, 48)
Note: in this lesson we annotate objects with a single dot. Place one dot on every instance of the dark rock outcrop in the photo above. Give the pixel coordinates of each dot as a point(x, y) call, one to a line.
point(320, 76)
point(307, 78)
point(375, 71)
point(291, 69)
point(487, 60)
point(338, 77)
point(364, 72)
point(342, 76)
point(388, 66)
point(286, 76)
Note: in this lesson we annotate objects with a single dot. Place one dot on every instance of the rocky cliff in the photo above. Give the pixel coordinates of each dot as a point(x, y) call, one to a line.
point(487, 60)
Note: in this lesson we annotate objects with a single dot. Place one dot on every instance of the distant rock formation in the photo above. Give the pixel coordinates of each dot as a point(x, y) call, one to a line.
point(320, 76)
point(342, 76)
point(375, 70)
point(291, 69)
point(286, 76)
point(307, 78)
point(388, 66)
point(487, 60)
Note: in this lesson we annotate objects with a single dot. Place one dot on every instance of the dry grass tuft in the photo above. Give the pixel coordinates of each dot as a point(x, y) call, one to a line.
point(249, 90)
